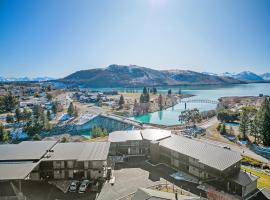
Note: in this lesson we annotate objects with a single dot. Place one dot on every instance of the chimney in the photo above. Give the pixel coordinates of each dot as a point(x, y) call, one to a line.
point(176, 196)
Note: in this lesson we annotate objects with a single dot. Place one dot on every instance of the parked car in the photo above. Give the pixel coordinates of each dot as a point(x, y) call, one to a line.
point(83, 186)
point(73, 186)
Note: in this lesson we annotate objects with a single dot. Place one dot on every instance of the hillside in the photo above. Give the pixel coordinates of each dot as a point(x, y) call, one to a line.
point(245, 76)
point(127, 76)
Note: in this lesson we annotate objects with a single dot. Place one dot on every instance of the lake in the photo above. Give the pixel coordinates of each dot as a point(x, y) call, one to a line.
point(210, 92)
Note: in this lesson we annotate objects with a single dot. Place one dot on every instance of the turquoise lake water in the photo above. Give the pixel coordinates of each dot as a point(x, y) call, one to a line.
point(170, 115)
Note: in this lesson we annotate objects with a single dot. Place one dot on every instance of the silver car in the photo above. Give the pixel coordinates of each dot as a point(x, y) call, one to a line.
point(73, 186)
point(83, 186)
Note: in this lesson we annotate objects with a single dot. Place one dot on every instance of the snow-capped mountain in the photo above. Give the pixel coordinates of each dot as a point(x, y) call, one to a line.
point(132, 75)
point(244, 76)
point(266, 76)
point(24, 79)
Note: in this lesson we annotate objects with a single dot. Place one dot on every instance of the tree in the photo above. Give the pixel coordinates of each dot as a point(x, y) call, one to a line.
point(179, 91)
point(55, 108)
point(169, 92)
point(246, 116)
point(226, 115)
point(71, 109)
point(263, 123)
point(98, 132)
point(254, 131)
point(145, 97)
point(244, 123)
point(48, 115)
point(188, 116)
point(145, 91)
point(49, 88)
point(160, 102)
point(26, 115)
point(36, 137)
point(9, 118)
point(154, 90)
point(222, 129)
point(4, 134)
point(121, 101)
point(18, 115)
point(8, 102)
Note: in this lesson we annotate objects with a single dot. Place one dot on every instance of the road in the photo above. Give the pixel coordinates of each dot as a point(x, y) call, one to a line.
point(235, 147)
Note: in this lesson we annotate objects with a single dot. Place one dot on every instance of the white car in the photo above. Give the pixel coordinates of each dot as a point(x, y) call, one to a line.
point(83, 186)
point(73, 186)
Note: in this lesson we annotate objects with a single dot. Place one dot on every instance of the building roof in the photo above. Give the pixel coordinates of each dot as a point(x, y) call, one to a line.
point(155, 134)
point(208, 154)
point(123, 136)
point(27, 150)
point(79, 151)
point(16, 171)
point(244, 178)
point(150, 194)
point(266, 193)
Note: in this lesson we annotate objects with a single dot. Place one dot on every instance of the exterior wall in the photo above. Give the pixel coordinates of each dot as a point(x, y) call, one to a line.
point(127, 148)
point(71, 169)
point(249, 188)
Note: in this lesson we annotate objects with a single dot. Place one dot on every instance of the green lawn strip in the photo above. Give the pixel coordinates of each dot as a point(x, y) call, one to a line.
point(263, 181)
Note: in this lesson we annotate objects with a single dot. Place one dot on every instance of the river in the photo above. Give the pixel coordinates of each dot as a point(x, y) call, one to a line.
point(207, 92)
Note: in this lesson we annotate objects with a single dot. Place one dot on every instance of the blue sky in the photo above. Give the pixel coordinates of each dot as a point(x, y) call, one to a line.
point(58, 37)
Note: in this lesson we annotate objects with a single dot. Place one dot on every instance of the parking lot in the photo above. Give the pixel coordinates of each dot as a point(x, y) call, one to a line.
point(38, 190)
point(130, 176)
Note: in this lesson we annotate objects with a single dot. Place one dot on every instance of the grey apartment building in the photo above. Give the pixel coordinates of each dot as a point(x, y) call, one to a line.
point(50, 160)
point(209, 163)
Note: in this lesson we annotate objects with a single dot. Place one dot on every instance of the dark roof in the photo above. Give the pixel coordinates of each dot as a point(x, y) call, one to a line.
point(27, 150)
point(208, 154)
point(244, 178)
point(16, 171)
point(79, 151)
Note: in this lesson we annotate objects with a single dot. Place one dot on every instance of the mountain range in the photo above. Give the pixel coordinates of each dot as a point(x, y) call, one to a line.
point(132, 75)
point(24, 79)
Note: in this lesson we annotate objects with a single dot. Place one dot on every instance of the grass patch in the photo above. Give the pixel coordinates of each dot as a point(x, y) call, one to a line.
point(264, 179)
point(251, 161)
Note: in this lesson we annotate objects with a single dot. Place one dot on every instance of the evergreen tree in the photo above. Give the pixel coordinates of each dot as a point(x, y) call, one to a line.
point(9, 102)
point(121, 101)
point(26, 115)
point(263, 117)
point(9, 118)
point(48, 115)
point(4, 136)
point(244, 123)
point(155, 90)
point(169, 92)
point(18, 114)
point(179, 92)
point(54, 108)
point(145, 91)
point(71, 109)
point(160, 102)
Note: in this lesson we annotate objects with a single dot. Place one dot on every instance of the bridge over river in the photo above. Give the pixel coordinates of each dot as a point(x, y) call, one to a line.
point(209, 101)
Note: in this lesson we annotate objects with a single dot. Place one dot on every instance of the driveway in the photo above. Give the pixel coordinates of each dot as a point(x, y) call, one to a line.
point(131, 176)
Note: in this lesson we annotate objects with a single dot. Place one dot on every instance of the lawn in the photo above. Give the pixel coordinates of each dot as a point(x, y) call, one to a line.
point(263, 181)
